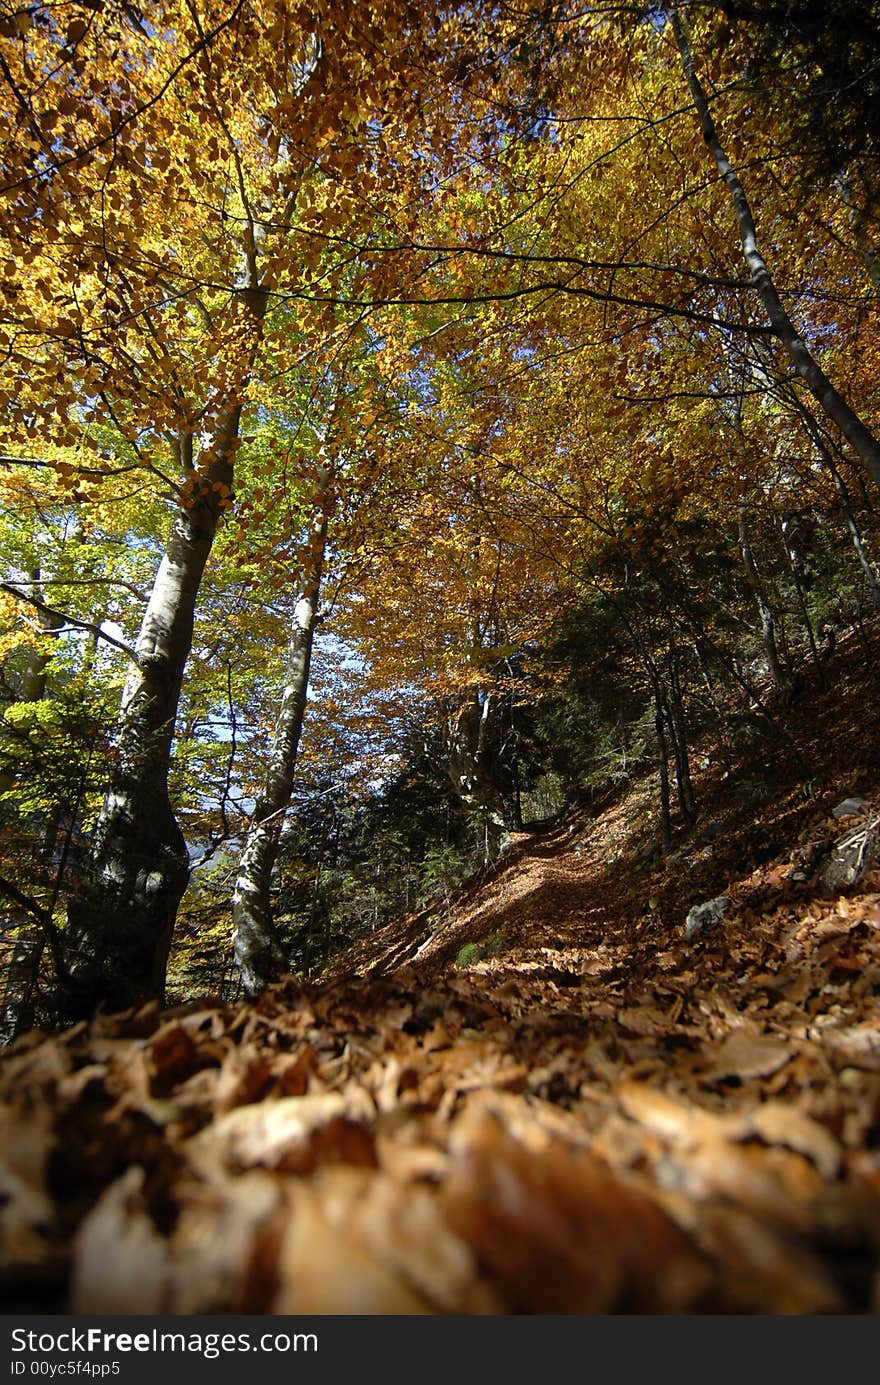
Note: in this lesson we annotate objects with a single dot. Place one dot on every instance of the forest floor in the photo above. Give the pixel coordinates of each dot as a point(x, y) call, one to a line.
point(541, 1097)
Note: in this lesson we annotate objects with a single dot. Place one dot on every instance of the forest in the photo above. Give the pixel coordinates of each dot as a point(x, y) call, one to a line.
point(439, 631)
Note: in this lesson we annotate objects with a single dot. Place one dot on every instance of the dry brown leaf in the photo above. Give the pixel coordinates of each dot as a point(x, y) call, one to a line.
point(861, 1108)
point(493, 1072)
point(761, 1271)
point(215, 1240)
point(645, 1020)
point(803, 983)
point(780, 1124)
point(561, 1235)
point(205, 1025)
point(137, 1023)
point(35, 1064)
point(560, 1068)
point(388, 1080)
point(403, 1228)
point(779, 1194)
point(623, 1144)
point(128, 1071)
point(671, 1118)
point(529, 1120)
point(437, 1037)
point(747, 1053)
point(173, 1056)
point(121, 1264)
point(291, 1074)
point(71, 1088)
point(243, 1078)
point(322, 1268)
point(601, 1010)
point(26, 1210)
point(856, 1045)
point(407, 1160)
point(291, 1135)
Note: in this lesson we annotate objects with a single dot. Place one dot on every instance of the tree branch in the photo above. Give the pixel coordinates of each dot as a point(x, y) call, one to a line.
point(70, 621)
point(35, 910)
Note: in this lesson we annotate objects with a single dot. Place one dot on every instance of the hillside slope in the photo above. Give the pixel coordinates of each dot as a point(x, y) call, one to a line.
point(543, 1098)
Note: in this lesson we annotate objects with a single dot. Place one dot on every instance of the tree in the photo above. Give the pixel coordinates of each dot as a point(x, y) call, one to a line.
point(832, 402)
point(257, 953)
point(159, 323)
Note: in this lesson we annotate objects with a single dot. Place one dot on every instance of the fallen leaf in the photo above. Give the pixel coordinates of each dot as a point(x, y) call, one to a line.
point(857, 1045)
point(173, 1054)
point(403, 1227)
point(747, 1053)
point(645, 1020)
point(747, 1177)
point(761, 1271)
point(243, 1078)
point(291, 1074)
point(26, 1209)
point(292, 1135)
point(781, 1124)
point(561, 1235)
point(121, 1263)
point(324, 1269)
point(673, 1119)
point(215, 1242)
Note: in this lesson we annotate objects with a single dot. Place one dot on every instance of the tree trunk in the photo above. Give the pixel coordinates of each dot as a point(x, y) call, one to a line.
point(258, 956)
point(765, 611)
point(678, 727)
point(846, 505)
point(663, 748)
point(834, 405)
point(719, 711)
point(824, 449)
point(796, 564)
point(855, 534)
point(121, 920)
point(470, 766)
point(17, 1014)
point(33, 678)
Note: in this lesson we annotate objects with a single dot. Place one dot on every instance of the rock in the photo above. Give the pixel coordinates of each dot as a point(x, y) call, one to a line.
point(850, 808)
point(704, 915)
point(853, 854)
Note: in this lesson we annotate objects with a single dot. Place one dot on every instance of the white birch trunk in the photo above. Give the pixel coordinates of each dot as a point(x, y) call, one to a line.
point(258, 955)
point(121, 921)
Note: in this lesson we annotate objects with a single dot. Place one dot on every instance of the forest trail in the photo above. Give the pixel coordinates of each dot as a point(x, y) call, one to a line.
point(541, 1097)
